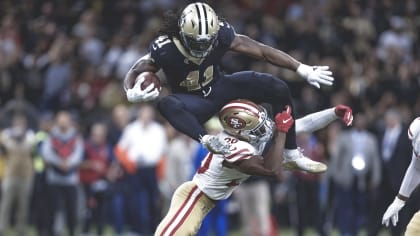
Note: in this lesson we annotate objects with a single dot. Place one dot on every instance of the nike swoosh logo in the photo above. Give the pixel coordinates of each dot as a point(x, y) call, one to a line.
point(285, 121)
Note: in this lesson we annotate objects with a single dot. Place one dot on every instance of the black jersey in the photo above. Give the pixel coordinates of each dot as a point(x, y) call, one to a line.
point(186, 74)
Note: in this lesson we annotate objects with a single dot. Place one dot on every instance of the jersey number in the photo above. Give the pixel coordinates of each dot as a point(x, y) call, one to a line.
point(160, 41)
point(192, 80)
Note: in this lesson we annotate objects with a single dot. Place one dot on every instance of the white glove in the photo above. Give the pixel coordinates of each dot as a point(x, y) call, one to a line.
point(392, 212)
point(316, 75)
point(136, 94)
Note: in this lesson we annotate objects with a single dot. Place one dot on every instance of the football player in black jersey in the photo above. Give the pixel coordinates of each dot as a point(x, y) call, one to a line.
point(189, 51)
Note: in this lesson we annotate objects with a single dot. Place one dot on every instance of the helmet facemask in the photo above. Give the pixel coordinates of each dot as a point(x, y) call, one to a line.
point(198, 46)
point(260, 134)
point(247, 121)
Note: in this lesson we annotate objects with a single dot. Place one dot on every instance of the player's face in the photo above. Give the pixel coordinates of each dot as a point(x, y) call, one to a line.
point(199, 47)
point(262, 133)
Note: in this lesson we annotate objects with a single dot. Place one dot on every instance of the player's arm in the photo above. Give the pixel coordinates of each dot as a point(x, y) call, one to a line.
point(246, 45)
point(315, 75)
point(133, 88)
point(270, 165)
point(319, 120)
point(411, 178)
point(254, 166)
point(145, 63)
point(273, 158)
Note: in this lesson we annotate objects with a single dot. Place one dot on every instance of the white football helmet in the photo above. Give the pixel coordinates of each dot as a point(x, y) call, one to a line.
point(246, 121)
point(199, 26)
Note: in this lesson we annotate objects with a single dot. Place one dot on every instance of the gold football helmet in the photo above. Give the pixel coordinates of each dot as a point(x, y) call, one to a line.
point(198, 25)
point(246, 121)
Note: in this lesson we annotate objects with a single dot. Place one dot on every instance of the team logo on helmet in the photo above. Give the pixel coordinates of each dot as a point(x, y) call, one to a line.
point(236, 123)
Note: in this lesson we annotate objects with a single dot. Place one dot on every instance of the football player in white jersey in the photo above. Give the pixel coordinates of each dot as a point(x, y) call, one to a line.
point(409, 183)
point(247, 128)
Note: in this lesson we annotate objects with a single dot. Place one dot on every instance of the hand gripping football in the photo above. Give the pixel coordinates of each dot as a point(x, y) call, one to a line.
point(148, 78)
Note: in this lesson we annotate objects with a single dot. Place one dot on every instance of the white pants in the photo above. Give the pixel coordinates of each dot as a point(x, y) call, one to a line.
point(188, 208)
point(413, 228)
point(19, 190)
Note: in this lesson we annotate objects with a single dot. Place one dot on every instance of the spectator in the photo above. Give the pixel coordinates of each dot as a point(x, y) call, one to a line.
point(307, 189)
point(254, 199)
point(395, 43)
point(10, 51)
point(139, 150)
point(58, 74)
point(93, 172)
point(119, 185)
point(40, 190)
point(371, 46)
point(355, 170)
point(179, 163)
point(395, 157)
point(62, 152)
point(18, 142)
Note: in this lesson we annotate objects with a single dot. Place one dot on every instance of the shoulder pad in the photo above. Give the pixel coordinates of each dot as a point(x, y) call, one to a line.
point(240, 150)
point(414, 129)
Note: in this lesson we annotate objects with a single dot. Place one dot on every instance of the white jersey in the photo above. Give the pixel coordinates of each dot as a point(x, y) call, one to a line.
point(218, 181)
point(414, 136)
point(412, 175)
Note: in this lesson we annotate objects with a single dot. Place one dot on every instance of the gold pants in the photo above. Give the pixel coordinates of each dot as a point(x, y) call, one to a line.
point(413, 228)
point(188, 208)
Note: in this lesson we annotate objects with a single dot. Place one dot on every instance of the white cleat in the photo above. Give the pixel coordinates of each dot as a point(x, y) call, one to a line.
point(215, 145)
point(295, 160)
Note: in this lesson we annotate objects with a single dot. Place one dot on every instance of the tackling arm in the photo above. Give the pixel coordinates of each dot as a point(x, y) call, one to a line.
point(268, 166)
point(254, 166)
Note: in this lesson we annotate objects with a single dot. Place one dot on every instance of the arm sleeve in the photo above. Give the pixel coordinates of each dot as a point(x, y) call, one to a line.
point(226, 35)
point(411, 177)
point(158, 51)
point(315, 121)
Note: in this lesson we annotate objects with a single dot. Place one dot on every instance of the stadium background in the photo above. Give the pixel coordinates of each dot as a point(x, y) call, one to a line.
point(72, 55)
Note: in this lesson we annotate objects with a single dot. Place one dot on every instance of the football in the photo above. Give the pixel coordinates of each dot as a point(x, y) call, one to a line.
point(149, 78)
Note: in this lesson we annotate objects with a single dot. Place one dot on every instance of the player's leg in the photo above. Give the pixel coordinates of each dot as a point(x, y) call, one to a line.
point(413, 228)
point(189, 206)
point(187, 113)
point(259, 88)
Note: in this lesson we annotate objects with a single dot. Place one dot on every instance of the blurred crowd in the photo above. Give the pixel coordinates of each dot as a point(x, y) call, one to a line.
point(74, 153)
